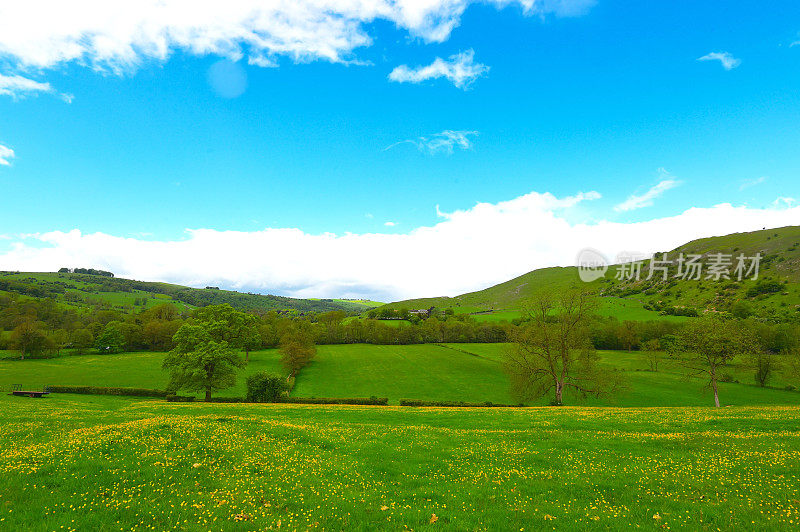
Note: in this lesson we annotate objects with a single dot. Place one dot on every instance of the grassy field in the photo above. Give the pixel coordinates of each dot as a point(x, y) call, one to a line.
point(102, 463)
point(450, 372)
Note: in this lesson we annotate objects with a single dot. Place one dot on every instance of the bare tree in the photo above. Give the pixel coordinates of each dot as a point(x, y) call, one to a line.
point(552, 352)
point(711, 343)
point(653, 353)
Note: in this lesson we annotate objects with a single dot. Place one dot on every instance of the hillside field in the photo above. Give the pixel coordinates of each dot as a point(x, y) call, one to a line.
point(443, 372)
point(106, 463)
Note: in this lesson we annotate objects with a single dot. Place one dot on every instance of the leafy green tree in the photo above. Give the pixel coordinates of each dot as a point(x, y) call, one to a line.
point(297, 350)
point(226, 324)
point(709, 344)
point(552, 352)
point(200, 363)
point(82, 340)
point(265, 388)
point(111, 340)
point(29, 339)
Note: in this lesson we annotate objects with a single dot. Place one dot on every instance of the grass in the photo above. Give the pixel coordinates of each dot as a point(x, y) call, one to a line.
point(402, 372)
point(103, 463)
point(447, 372)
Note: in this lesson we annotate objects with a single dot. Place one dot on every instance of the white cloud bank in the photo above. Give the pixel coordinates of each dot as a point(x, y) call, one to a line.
point(118, 35)
point(460, 69)
point(6, 154)
point(467, 250)
point(18, 86)
point(727, 60)
point(443, 142)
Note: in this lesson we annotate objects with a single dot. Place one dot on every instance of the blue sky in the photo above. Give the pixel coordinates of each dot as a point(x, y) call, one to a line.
point(567, 97)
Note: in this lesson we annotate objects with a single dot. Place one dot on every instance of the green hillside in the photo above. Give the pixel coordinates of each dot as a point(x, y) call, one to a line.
point(775, 294)
point(80, 290)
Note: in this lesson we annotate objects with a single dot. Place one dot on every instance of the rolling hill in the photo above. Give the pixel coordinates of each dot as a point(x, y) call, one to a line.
point(81, 290)
point(776, 293)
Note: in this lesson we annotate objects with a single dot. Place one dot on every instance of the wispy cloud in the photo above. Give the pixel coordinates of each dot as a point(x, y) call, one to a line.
point(18, 86)
point(460, 69)
point(390, 224)
point(784, 201)
point(727, 60)
point(6, 154)
point(444, 142)
point(120, 35)
point(747, 183)
point(638, 201)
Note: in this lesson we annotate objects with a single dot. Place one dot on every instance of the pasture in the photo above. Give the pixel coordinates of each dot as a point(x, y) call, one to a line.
point(443, 372)
point(106, 463)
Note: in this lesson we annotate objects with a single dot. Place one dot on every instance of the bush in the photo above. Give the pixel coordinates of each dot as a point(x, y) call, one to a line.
point(486, 404)
point(726, 377)
point(373, 401)
point(172, 398)
point(226, 400)
point(265, 388)
point(97, 390)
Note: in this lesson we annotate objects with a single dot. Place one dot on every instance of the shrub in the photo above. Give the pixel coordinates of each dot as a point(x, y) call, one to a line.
point(172, 398)
point(265, 388)
point(486, 404)
point(373, 401)
point(97, 390)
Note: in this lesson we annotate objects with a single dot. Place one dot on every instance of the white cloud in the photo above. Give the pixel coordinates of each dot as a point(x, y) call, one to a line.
point(638, 201)
point(460, 69)
point(18, 86)
point(747, 183)
point(784, 201)
point(443, 142)
point(471, 248)
point(727, 61)
point(119, 35)
point(6, 154)
point(390, 224)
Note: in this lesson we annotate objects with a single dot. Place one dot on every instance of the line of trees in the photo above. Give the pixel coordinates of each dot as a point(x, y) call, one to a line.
point(553, 350)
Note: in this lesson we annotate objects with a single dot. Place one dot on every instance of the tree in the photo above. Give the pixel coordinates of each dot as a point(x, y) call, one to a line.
point(28, 339)
point(552, 352)
point(763, 365)
point(82, 340)
point(265, 388)
point(297, 350)
point(111, 340)
point(200, 363)
point(710, 343)
point(226, 324)
point(652, 350)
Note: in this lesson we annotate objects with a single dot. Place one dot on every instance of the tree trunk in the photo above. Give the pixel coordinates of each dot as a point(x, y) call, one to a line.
point(208, 395)
point(246, 356)
point(559, 393)
point(716, 394)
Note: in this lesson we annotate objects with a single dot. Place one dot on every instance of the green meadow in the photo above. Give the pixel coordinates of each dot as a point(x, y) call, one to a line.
point(72, 462)
point(435, 372)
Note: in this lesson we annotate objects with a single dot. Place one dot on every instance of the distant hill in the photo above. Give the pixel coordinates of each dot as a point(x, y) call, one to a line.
point(100, 290)
point(776, 294)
